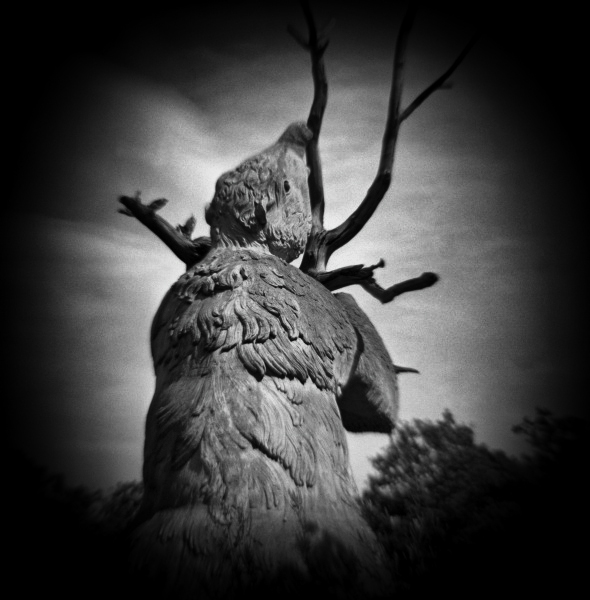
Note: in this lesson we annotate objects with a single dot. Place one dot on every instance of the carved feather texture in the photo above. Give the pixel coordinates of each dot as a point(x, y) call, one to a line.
point(247, 351)
point(259, 368)
point(251, 302)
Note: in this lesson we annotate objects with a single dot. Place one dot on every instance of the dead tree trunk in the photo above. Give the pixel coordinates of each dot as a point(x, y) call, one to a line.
point(322, 243)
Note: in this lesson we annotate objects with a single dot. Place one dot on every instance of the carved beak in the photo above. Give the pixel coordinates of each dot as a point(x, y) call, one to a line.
point(297, 136)
point(260, 214)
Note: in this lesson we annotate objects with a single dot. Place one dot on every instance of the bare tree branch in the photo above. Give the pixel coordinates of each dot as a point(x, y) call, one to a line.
point(409, 285)
point(400, 369)
point(440, 82)
point(341, 235)
point(322, 243)
point(298, 37)
point(352, 275)
point(316, 46)
point(187, 250)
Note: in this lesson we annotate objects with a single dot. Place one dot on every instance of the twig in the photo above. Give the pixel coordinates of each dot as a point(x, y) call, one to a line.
point(440, 82)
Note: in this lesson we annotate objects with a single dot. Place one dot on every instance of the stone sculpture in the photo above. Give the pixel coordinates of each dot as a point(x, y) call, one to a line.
point(260, 370)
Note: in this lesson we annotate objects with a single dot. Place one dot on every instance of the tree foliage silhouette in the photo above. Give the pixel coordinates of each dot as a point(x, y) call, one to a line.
point(455, 516)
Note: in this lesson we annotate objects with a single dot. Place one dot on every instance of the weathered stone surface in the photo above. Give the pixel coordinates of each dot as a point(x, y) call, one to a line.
point(259, 370)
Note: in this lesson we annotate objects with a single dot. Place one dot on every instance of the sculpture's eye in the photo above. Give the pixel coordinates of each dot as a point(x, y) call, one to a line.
point(286, 186)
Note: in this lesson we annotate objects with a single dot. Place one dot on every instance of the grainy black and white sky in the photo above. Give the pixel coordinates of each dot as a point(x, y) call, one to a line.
point(487, 192)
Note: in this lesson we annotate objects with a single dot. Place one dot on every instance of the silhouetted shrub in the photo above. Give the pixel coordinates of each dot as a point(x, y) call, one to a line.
point(456, 517)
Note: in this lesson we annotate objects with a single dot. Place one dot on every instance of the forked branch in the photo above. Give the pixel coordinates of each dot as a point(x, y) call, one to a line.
point(363, 276)
point(341, 235)
point(440, 82)
point(322, 243)
point(178, 239)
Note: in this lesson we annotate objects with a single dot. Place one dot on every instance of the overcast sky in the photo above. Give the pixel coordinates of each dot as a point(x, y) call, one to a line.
point(486, 188)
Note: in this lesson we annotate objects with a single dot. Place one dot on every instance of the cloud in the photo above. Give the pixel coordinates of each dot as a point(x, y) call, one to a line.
point(89, 377)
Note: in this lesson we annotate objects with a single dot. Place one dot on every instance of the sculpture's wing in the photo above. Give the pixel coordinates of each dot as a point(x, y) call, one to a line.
point(369, 401)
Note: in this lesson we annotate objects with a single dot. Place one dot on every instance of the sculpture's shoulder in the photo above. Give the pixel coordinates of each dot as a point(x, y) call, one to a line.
point(277, 319)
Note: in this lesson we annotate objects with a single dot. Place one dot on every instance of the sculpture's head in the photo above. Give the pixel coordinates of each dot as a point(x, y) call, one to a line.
point(265, 200)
